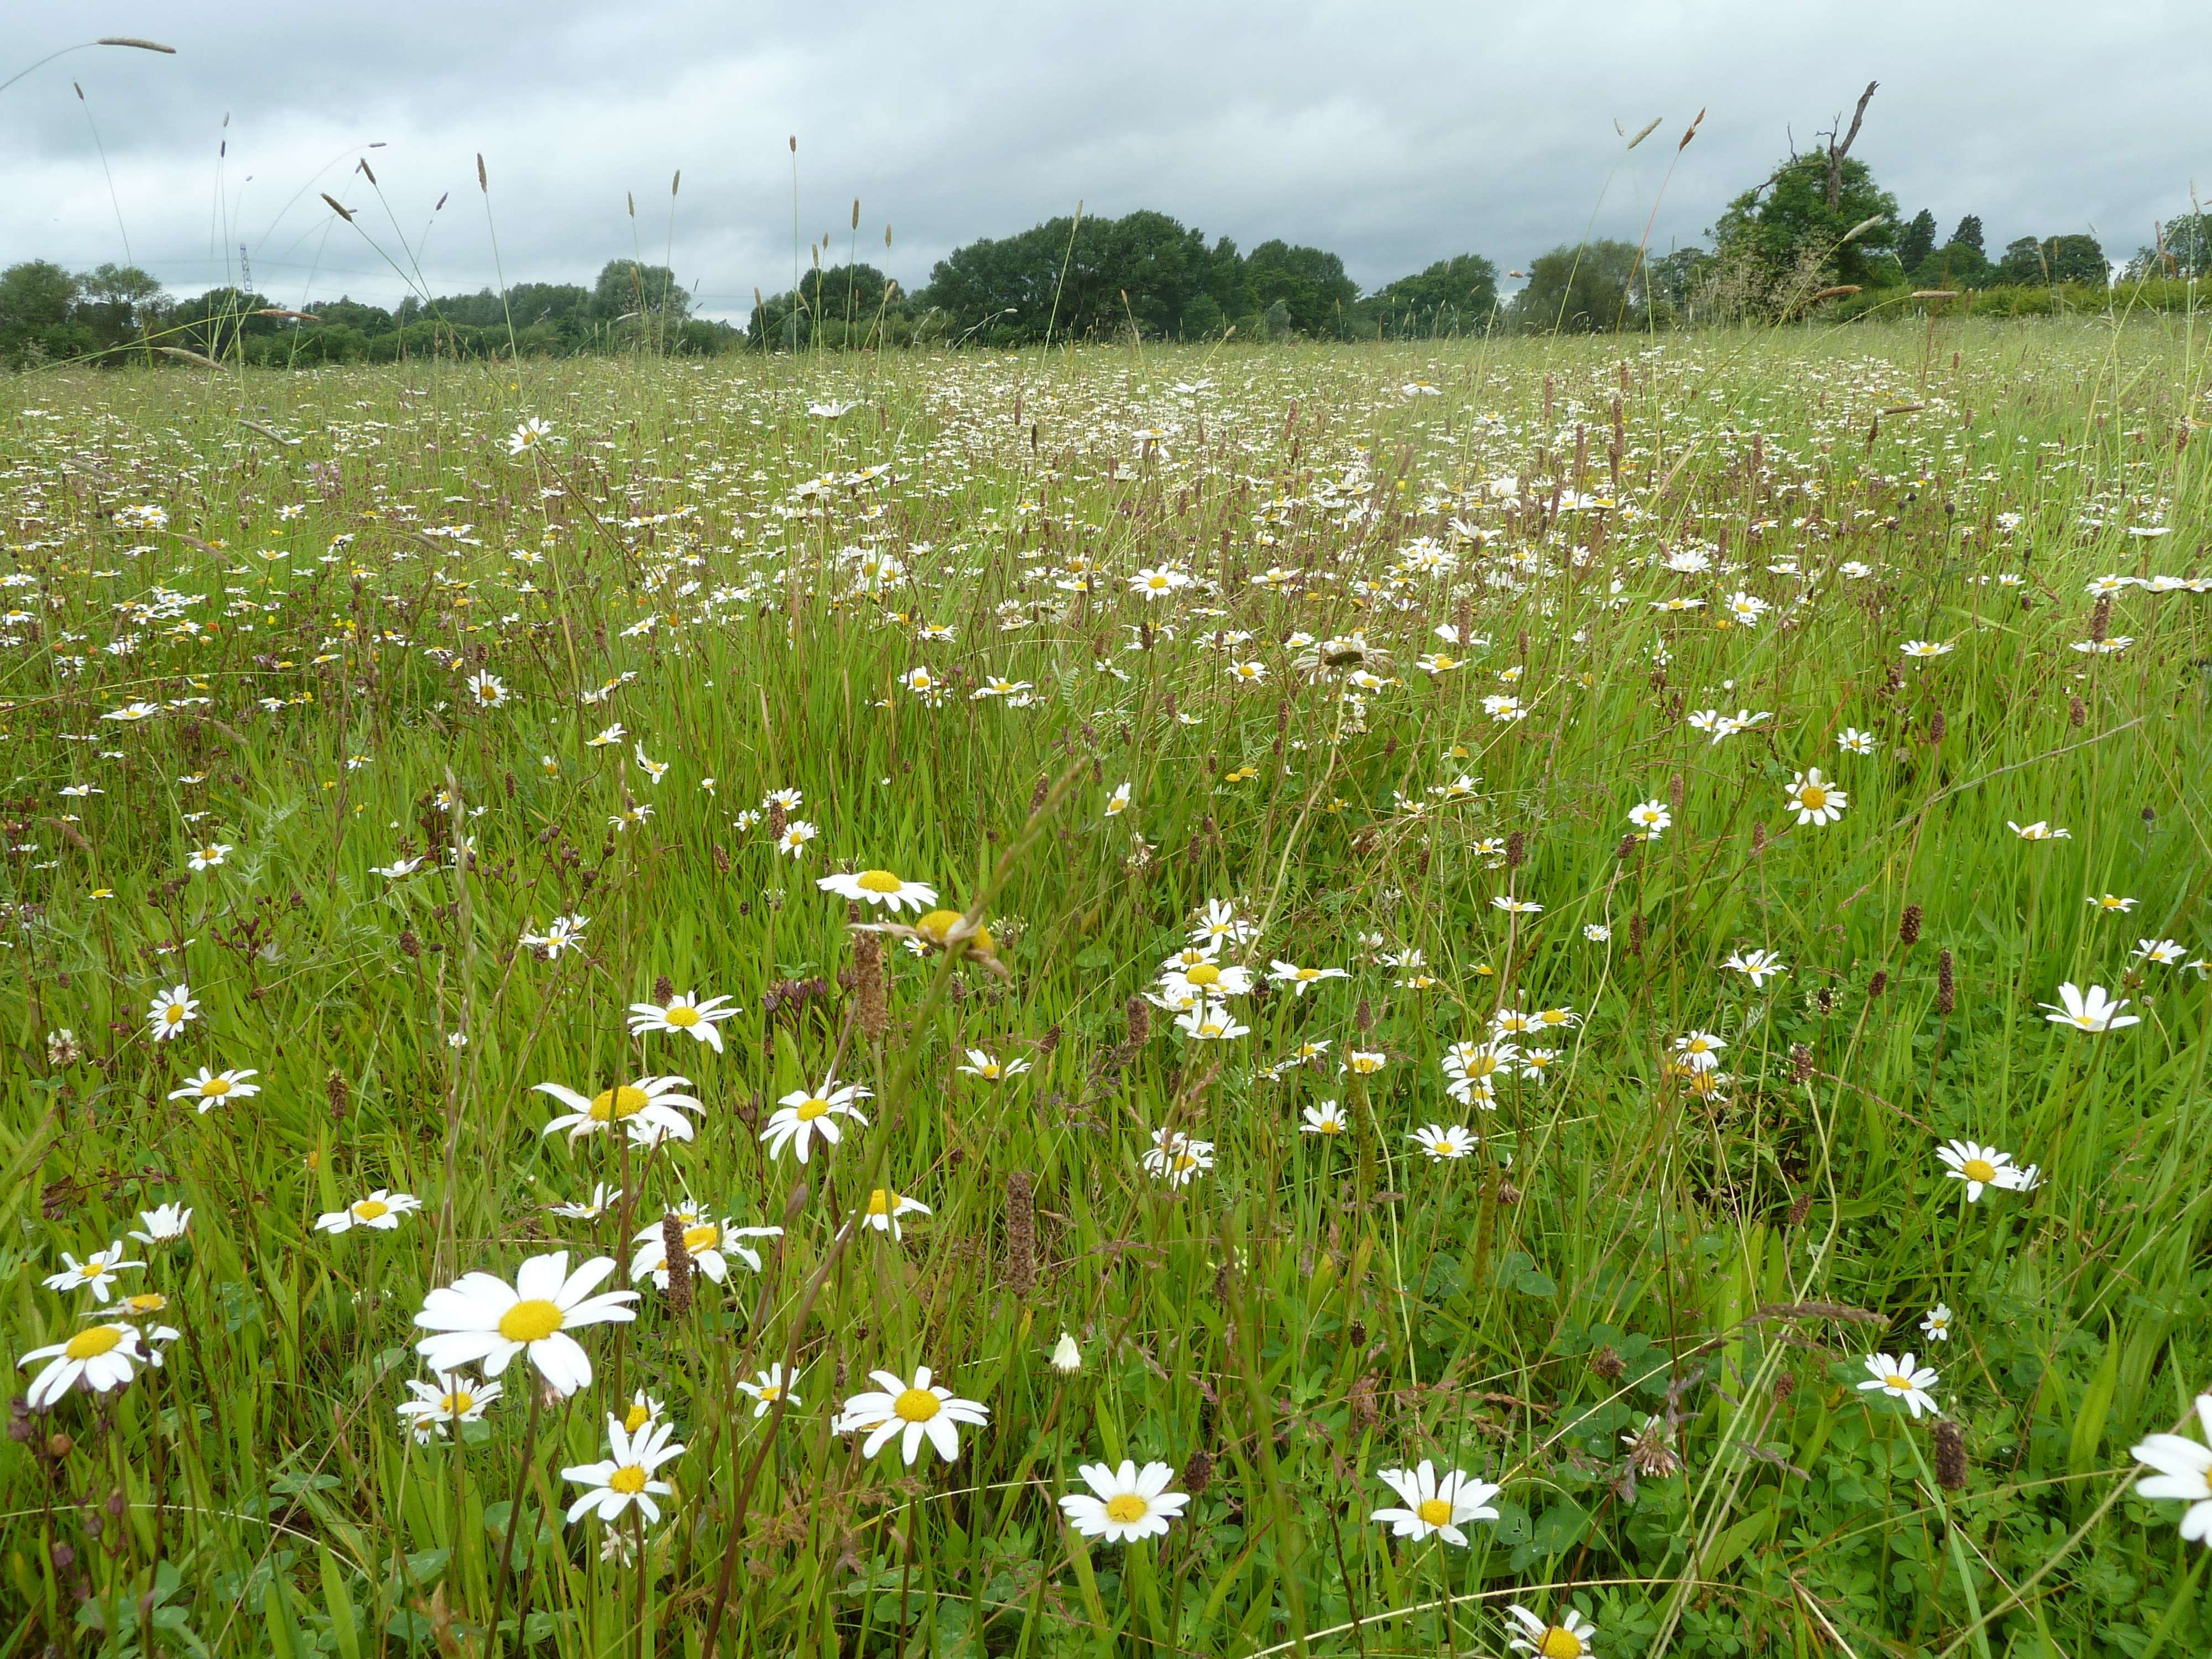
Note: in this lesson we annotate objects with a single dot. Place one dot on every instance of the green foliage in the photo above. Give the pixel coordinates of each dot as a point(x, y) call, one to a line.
point(1590, 289)
point(1917, 240)
point(1458, 296)
point(1788, 221)
point(1308, 282)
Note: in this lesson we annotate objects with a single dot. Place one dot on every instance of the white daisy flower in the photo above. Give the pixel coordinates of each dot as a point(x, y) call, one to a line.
point(647, 1109)
point(880, 887)
point(449, 1400)
point(1124, 1504)
point(804, 1117)
point(381, 1210)
point(483, 1319)
point(2183, 1466)
point(211, 1088)
point(625, 1477)
point(685, 1016)
point(1434, 1508)
point(171, 1010)
point(909, 1412)
point(96, 1273)
point(1899, 1380)
point(2092, 1009)
point(100, 1356)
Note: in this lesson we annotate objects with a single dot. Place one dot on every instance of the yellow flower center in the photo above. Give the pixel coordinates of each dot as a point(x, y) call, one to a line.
point(1185, 1160)
point(704, 1236)
point(917, 1404)
point(628, 1479)
point(173, 1012)
point(145, 1303)
point(1902, 1384)
point(1560, 1643)
point(1204, 974)
point(636, 1418)
point(215, 1088)
point(1126, 1507)
point(90, 1344)
point(610, 1104)
point(684, 1016)
point(883, 1203)
point(1813, 797)
point(530, 1320)
point(1979, 1169)
point(810, 1109)
point(458, 1403)
point(879, 881)
point(1308, 973)
point(370, 1208)
point(1435, 1511)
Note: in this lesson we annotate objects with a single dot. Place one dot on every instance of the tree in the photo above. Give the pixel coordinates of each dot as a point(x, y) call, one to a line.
point(627, 289)
point(1458, 296)
point(1087, 281)
point(119, 302)
point(36, 299)
point(1588, 289)
point(2184, 249)
point(1918, 240)
point(1788, 219)
point(2077, 258)
point(1956, 264)
point(1308, 282)
point(1969, 234)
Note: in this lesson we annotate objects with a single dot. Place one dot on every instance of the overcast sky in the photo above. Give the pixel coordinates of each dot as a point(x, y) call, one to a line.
point(1393, 133)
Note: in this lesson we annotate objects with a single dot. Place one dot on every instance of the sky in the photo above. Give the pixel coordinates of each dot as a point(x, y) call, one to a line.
point(1394, 134)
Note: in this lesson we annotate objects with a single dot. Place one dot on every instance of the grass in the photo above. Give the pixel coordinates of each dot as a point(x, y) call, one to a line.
point(741, 563)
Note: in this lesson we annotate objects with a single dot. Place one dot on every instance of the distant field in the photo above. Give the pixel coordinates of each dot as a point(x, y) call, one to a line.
point(1450, 905)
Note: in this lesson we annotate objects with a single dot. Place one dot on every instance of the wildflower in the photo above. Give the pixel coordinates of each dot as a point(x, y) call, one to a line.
point(449, 1400)
point(980, 1064)
point(2111, 901)
point(1210, 1022)
point(1298, 978)
point(2092, 1009)
point(1118, 802)
point(95, 1274)
point(170, 1011)
point(606, 739)
point(1205, 978)
point(1124, 1504)
point(1757, 966)
point(2038, 831)
point(562, 933)
point(796, 833)
point(1325, 1119)
point(1925, 648)
point(885, 1207)
point(1515, 907)
point(1938, 1324)
point(165, 1223)
point(1650, 818)
point(210, 855)
point(592, 1208)
point(101, 1357)
point(646, 1108)
point(1571, 1639)
point(654, 770)
point(1066, 1358)
point(1651, 1449)
point(1596, 932)
point(488, 691)
point(1699, 1051)
point(1176, 1158)
point(62, 1048)
point(709, 1243)
point(1979, 1166)
point(909, 1412)
point(1442, 1144)
point(685, 1015)
point(1815, 800)
point(1155, 585)
point(1852, 741)
point(211, 1088)
point(482, 1318)
point(1364, 1062)
point(530, 434)
point(1899, 1380)
point(770, 1386)
point(381, 1210)
point(1434, 1507)
point(1471, 1069)
point(398, 870)
point(804, 1117)
point(2165, 952)
point(879, 887)
point(2183, 1466)
point(1220, 923)
point(625, 1477)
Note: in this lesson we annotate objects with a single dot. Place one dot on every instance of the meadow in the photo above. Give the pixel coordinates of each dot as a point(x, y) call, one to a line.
point(1540, 996)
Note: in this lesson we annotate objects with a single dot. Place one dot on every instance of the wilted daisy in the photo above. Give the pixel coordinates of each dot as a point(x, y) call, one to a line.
point(1899, 1380)
point(884, 1209)
point(2092, 1009)
point(2038, 831)
point(1176, 1158)
point(625, 1477)
point(684, 1016)
point(1326, 1119)
point(981, 1064)
point(1937, 1325)
point(482, 1318)
point(211, 1088)
point(165, 1223)
point(770, 1386)
point(1124, 1504)
point(1435, 1507)
point(96, 1273)
point(909, 1412)
point(2184, 1471)
point(1815, 800)
point(1571, 1639)
point(170, 1011)
point(1757, 966)
point(649, 1109)
point(100, 1356)
point(1298, 978)
point(1979, 1166)
point(1442, 1144)
point(880, 887)
point(449, 1400)
point(381, 1210)
point(806, 1116)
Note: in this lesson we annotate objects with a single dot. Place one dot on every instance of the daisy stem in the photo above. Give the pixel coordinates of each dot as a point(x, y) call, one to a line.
point(515, 1524)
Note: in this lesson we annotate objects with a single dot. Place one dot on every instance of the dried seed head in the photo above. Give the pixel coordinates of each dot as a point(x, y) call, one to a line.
point(1198, 1472)
point(340, 1091)
point(677, 1254)
point(870, 1008)
point(1652, 1454)
point(722, 860)
point(1517, 849)
point(1608, 1365)
point(1950, 1457)
point(1674, 793)
point(1946, 997)
point(1800, 1060)
point(410, 946)
point(1037, 795)
point(2076, 713)
point(1936, 726)
point(1800, 1207)
point(2100, 619)
point(1363, 1016)
point(1021, 1233)
point(1825, 1000)
point(664, 990)
point(1137, 1015)
point(1636, 933)
point(1507, 1192)
point(1908, 925)
point(1759, 839)
point(1626, 849)
point(1784, 1385)
point(1049, 1041)
point(1877, 984)
point(777, 820)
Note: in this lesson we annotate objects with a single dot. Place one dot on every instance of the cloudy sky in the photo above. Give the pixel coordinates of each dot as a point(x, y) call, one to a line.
point(1393, 133)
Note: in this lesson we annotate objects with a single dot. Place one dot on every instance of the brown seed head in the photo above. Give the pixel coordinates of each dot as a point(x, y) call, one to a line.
point(678, 1255)
point(664, 990)
point(1608, 1365)
point(1950, 1457)
point(1800, 1207)
point(1021, 1233)
point(1198, 1473)
point(1945, 989)
point(871, 1008)
point(1908, 925)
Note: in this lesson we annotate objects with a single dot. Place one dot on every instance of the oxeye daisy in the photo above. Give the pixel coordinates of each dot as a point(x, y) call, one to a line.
point(884, 1208)
point(1852, 741)
point(171, 1012)
point(806, 1116)
point(1176, 1158)
point(708, 1241)
point(940, 926)
point(449, 1400)
point(1118, 802)
point(684, 1016)
point(165, 1223)
point(1432, 1507)
point(770, 1386)
point(909, 1412)
point(646, 1108)
point(1979, 1166)
point(1649, 818)
point(96, 1273)
point(1325, 1119)
point(981, 1064)
point(1937, 1327)
point(1573, 1636)
point(211, 1088)
point(796, 835)
point(879, 887)
point(2184, 1472)
point(2092, 1009)
point(1699, 1051)
point(99, 1357)
point(1210, 1022)
point(1815, 800)
point(1757, 966)
point(208, 855)
point(483, 1319)
point(1898, 1379)
point(381, 1210)
point(1443, 1144)
point(624, 1478)
point(2039, 830)
point(1924, 649)
point(1124, 1504)
point(1207, 978)
point(1298, 978)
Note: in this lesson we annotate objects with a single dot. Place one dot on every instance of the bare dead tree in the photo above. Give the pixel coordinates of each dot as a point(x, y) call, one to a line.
point(1837, 152)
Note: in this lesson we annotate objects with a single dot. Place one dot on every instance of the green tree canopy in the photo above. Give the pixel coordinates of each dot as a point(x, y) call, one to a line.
point(1917, 240)
point(1969, 233)
point(1308, 282)
point(1144, 267)
point(626, 288)
point(1588, 289)
point(1790, 217)
point(1458, 296)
